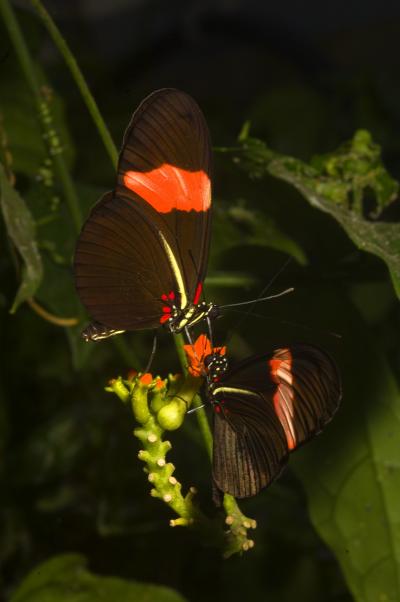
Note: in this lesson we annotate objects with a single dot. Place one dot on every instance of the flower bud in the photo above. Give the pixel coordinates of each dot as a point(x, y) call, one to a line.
point(170, 417)
point(117, 386)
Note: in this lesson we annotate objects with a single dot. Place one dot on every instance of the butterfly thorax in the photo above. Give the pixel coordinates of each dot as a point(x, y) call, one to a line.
point(216, 365)
point(177, 319)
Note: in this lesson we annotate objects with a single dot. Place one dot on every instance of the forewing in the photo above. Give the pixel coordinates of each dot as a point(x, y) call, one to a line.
point(166, 160)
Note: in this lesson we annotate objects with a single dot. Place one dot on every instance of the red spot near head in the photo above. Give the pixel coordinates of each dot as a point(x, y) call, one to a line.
point(171, 295)
point(164, 318)
point(170, 187)
point(166, 309)
point(164, 297)
point(217, 408)
point(146, 379)
point(197, 294)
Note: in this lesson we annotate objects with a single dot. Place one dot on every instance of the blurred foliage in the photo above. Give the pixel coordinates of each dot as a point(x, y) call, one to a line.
point(69, 474)
point(66, 579)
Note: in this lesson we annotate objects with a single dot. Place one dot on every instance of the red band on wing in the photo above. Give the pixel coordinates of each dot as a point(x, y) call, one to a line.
point(283, 398)
point(197, 294)
point(169, 187)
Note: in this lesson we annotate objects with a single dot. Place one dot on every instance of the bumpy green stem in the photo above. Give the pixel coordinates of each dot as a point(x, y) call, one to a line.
point(238, 524)
point(148, 398)
point(49, 134)
point(79, 80)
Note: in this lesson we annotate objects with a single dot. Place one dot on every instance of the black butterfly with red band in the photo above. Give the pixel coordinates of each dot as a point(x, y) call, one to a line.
point(141, 256)
point(265, 407)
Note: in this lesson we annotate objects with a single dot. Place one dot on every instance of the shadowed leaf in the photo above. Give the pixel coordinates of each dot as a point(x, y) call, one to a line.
point(66, 579)
point(21, 230)
point(351, 473)
point(239, 225)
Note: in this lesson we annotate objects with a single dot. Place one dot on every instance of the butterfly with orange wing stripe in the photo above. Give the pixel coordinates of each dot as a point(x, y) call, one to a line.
point(141, 256)
point(264, 408)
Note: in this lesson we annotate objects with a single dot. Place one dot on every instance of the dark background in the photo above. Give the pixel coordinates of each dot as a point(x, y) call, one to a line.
point(307, 75)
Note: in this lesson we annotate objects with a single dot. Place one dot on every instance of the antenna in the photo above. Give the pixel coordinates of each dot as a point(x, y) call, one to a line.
point(152, 354)
point(285, 292)
point(261, 295)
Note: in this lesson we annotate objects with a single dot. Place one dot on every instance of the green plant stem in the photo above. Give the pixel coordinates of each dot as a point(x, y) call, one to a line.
point(204, 426)
point(179, 343)
point(79, 79)
point(28, 69)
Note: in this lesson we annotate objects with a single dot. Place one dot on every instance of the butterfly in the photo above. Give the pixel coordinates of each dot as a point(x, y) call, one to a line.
point(141, 256)
point(264, 407)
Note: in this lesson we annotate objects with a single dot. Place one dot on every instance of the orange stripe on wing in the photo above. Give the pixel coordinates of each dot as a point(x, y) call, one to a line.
point(169, 187)
point(283, 398)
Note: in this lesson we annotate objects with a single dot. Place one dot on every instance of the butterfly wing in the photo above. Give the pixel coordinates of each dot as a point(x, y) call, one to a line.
point(266, 407)
point(249, 449)
point(150, 237)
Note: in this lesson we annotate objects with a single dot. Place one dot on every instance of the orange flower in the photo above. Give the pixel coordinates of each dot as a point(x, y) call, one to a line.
point(197, 353)
point(146, 379)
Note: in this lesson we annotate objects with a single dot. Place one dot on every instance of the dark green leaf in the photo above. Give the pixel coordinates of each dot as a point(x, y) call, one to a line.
point(382, 239)
point(351, 474)
point(66, 579)
point(21, 230)
point(336, 184)
point(239, 225)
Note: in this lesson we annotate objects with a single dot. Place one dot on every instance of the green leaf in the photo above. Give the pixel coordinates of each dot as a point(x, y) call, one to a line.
point(66, 579)
point(21, 230)
point(239, 225)
point(351, 474)
point(337, 184)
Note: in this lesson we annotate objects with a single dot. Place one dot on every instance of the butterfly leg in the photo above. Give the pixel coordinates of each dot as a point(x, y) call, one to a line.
point(152, 354)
